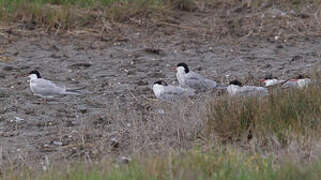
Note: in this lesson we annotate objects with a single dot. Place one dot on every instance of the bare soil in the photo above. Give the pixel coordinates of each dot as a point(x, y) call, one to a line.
point(118, 69)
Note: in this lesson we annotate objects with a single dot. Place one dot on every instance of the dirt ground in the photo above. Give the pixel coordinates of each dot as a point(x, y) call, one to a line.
point(118, 70)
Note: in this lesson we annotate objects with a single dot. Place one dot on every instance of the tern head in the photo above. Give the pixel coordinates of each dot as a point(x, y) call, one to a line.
point(161, 82)
point(34, 74)
point(182, 67)
point(300, 76)
point(236, 82)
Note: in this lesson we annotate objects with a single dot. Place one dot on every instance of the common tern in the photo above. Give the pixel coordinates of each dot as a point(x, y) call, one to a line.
point(237, 89)
point(271, 81)
point(190, 79)
point(166, 92)
point(300, 81)
point(46, 88)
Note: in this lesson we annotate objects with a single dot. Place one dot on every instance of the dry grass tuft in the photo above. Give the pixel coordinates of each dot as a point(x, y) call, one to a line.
point(225, 19)
point(283, 115)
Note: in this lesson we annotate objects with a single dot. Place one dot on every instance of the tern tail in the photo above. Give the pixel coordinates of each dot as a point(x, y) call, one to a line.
point(75, 91)
point(72, 92)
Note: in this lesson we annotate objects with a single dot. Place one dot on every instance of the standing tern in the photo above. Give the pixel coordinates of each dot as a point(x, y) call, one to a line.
point(46, 88)
point(236, 88)
point(190, 79)
point(166, 92)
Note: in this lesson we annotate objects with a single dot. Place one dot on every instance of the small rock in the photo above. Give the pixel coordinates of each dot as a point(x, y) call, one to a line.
point(142, 83)
point(16, 53)
point(114, 143)
point(7, 68)
point(155, 51)
point(295, 58)
point(83, 110)
point(160, 111)
point(156, 75)
point(57, 143)
point(80, 65)
point(267, 66)
point(125, 160)
point(199, 68)
point(17, 119)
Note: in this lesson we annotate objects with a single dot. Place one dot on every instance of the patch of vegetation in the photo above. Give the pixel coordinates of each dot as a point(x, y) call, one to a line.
point(68, 14)
point(71, 14)
point(217, 164)
point(283, 114)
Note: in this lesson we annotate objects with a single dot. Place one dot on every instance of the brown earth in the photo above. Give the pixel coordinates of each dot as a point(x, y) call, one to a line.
point(118, 68)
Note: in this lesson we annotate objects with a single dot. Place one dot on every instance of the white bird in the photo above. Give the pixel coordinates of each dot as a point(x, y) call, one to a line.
point(300, 82)
point(166, 92)
point(271, 81)
point(303, 81)
point(236, 89)
point(46, 88)
point(190, 79)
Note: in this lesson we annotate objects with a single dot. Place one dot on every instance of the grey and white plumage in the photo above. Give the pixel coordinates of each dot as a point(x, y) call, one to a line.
point(46, 88)
point(237, 89)
point(190, 79)
point(272, 81)
point(166, 92)
point(298, 82)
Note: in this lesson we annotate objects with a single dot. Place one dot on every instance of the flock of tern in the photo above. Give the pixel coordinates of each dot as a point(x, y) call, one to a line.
point(189, 84)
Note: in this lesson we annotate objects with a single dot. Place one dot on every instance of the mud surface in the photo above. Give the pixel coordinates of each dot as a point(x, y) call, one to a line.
point(118, 76)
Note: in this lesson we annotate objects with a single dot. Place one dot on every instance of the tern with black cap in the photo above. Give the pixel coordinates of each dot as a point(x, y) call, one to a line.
point(237, 89)
point(190, 79)
point(166, 92)
point(46, 88)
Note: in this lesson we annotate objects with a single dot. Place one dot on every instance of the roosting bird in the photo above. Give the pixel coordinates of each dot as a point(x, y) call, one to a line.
point(190, 79)
point(166, 92)
point(46, 88)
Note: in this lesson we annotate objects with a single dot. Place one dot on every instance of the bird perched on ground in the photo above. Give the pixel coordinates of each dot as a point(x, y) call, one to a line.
point(237, 89)
point(46, 88)
point(166, 92)
point(300, 81)
point(271, 81)
point(190, 79)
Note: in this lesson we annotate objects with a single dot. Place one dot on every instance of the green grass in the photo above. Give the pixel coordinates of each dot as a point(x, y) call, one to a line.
point(283, 114)
point(217, 164)
point(72, 14)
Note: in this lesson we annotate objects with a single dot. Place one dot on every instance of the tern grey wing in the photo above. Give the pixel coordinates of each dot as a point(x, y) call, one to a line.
point(289, 84)
point(210, 83)
point(172, 93)
point(46, 88)
point(195, 81)
point(253, 91)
